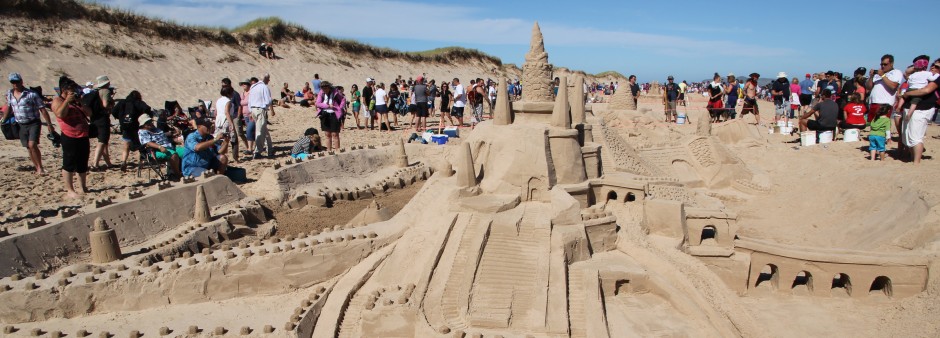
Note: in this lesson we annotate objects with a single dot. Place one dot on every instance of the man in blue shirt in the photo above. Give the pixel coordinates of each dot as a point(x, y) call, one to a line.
point(315, 84)
point(806, 93)
point(203, 152)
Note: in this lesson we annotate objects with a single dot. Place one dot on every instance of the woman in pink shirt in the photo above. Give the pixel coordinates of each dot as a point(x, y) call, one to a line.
point(330, 104)
point(72, 117)
point(246, 115)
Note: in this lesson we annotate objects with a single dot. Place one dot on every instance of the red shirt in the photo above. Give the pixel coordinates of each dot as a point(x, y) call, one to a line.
point(74, 124)
point(855, 113)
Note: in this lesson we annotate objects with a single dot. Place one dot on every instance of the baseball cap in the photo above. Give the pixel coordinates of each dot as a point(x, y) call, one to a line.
point(670, 78)
point(808, 75)
point(369, 79)
point(14, 77)
point(860, 70)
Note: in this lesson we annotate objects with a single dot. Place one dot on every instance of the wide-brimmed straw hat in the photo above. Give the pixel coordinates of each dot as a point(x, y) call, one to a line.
point(103, 81)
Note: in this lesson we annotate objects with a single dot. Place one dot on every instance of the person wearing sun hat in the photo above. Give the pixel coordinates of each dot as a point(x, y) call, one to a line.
point(152, 137)
point(29, 112)
point(780, 90)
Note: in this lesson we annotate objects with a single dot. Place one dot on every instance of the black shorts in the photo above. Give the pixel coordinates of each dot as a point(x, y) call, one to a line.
point(844, 125)
point(750, 106)
point(457, 112)
point(129, 135)
point(806, 99)
point(330, 123)
point(29, 132)
point(103, 130)
point(421, 109)
point(681, 96)
point(814, 125)
point(75, 153)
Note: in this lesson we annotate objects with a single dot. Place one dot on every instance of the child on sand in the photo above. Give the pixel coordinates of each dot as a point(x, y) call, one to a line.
point(308, 143)
point(879, 127)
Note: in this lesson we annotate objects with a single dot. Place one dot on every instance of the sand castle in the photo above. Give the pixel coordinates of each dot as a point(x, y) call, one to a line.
point(538, 223)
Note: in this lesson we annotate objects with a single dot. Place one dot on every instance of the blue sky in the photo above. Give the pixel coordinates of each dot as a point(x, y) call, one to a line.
point(652, 39)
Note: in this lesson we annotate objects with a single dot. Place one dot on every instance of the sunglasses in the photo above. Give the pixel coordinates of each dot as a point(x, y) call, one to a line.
point(884, 64)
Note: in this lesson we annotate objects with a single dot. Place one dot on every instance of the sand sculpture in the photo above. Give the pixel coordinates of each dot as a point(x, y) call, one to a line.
point(551, 241)
point(536, 71)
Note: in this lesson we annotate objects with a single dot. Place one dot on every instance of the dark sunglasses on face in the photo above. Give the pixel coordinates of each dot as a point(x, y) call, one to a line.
point(884, 64)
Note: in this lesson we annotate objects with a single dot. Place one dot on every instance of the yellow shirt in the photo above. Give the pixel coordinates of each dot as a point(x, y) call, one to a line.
point(682, 87)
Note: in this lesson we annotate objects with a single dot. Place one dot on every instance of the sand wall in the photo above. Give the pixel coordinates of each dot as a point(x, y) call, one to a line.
point(134, 221)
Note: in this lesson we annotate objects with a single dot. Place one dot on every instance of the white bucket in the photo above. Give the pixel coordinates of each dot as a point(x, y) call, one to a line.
point(790, 125)
point(770, 130)
point(807, 138)
point(781, 124)
point(825, 137)
point(850, 135)
point(680, 119)
point(786, 130)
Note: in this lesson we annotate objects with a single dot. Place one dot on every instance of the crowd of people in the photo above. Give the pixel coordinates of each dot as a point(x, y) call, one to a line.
point(234, 127)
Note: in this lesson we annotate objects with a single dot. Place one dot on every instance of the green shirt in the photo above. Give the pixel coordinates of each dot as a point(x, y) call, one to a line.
point(879, 126)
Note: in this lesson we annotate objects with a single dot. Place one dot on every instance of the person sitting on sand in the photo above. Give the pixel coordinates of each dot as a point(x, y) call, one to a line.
point(152, 137)
point(306, 144)
point(826, 113)
point(287, 95)
point(202, 152)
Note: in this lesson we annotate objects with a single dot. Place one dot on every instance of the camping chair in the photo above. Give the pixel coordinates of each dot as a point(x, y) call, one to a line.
point(147, 161)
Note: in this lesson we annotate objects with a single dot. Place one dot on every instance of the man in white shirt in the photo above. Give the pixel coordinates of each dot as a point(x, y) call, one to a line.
point(460, 101)
point(259, 100)
point(883, 84)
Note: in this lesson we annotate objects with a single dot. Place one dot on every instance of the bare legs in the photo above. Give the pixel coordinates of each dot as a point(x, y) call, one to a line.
point(67, 179)
point(101, 152)
point(35, 156)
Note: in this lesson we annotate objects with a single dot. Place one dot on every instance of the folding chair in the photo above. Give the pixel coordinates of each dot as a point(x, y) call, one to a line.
point(147, 161)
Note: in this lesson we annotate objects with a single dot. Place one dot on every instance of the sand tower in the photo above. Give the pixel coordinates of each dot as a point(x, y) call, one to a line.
point(201, 213)
point(104, 243)
point(402, 158)
point(536, 71)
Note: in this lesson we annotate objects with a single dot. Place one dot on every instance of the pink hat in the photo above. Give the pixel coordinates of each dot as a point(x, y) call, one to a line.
point(420, 78)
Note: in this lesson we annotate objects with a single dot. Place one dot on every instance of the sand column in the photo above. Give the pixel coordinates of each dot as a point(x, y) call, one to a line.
point(201, 213)
point(560, 114)
point(402, 158)
point(576, 100)
point(466, 176)
point(501, 116)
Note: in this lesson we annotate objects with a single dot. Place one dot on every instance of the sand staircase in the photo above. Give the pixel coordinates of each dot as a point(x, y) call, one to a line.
point(511, 284)
point(456, 298)
point(576, 304)
point(351, 318)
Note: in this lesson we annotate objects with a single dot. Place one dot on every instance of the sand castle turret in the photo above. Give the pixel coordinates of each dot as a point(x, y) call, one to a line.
point(402, 159)
point(576, 100)
point(560, 114)
point(536, 71)
point(502, 114)
point(201, 214)
point(104, 243)
point(622, 99)
point(467, 177)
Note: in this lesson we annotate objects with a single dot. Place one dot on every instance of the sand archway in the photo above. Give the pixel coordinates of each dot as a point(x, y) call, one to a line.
point(804, 279)
point(841, 283)
point(709, 234)
point(881, 284)
point(768, 276)
point(611, 195)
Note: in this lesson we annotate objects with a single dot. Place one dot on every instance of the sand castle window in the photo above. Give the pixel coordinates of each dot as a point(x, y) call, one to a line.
point(622, 287)
point(630, 197)
point(612, 196)
point(769, 275)
point(805, 279)
point(842, 282)
point(881, 284)
point(708, 233)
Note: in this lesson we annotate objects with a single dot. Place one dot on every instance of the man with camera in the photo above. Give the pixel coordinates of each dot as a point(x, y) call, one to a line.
point(27, 107)
point(203, 152)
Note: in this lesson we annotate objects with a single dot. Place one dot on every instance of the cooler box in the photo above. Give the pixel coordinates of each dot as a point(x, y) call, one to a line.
point(439, 139)
point(452, 132)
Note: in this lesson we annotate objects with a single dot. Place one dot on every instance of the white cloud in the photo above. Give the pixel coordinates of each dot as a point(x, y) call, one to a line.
point(444, 23)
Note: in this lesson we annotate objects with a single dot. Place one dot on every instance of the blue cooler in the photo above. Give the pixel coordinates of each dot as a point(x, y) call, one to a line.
point(439, 139)
point(452, 132)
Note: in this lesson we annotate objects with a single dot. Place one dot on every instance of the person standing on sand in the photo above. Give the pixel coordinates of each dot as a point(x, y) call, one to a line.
point(239, 126)
point(72, 116)
point(750, 98)
point(356, 105)
point(432, 94)
point(731, 97)
point(780, 90)
point(883, 82)
point(259, 101)
point(917, 118)
point(446, 98)
point(716, 91)
point(315, 83)
point(99, 99)
point(245, 118)
point(635, 89)
point(381, 107)
point(420, 98)
point(460, 101)
point(27, 107)
point(670, 95)
point(330, 103)
point(368, 102)
point(807, 89)
point(683, 86)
